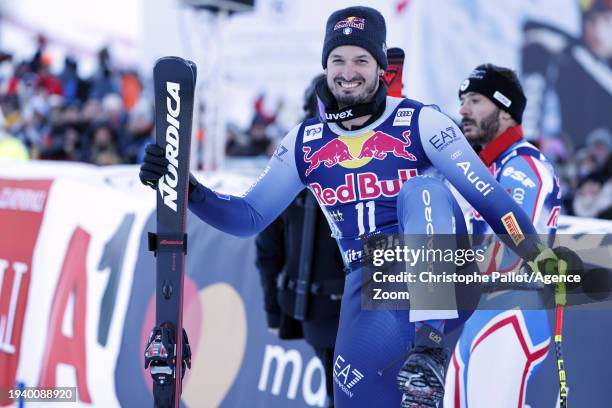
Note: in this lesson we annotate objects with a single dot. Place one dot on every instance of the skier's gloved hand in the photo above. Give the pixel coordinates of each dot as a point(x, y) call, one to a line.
point(421, 378)
point(558, 261)
point(154, 166)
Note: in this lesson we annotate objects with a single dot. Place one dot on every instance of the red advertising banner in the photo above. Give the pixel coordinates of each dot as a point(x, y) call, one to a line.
point(22, 207)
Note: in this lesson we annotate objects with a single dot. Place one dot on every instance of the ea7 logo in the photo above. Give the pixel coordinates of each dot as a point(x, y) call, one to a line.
point(444, 138)
point(313, 132)
point(403, 117)
point(345, 376)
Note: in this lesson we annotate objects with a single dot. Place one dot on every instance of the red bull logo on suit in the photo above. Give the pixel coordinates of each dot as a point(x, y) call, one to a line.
point(355, 152)
point(362, 186)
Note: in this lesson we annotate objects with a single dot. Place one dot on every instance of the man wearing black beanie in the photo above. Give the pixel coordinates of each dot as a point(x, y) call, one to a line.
point(372, 163)
point(492, 105)
point(503, 103)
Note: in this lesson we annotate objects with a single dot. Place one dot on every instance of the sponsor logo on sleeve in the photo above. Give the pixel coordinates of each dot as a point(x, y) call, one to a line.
point(480, 185)
point(456, 154)
point(444, 138)
point(313, 132)
point(280, 152)
point(513, 228)
point(403, 117)
point(518, 176)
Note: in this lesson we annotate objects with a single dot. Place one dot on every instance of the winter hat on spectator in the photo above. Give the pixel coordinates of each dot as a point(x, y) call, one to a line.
point(361, 26)
point(504, 92)
point(600, 136)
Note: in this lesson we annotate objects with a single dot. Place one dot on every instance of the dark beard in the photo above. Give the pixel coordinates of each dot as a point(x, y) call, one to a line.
point(487, 129)
point(350, 100)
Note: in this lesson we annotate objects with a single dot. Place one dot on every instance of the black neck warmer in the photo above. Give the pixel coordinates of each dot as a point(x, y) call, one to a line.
point(329, 111)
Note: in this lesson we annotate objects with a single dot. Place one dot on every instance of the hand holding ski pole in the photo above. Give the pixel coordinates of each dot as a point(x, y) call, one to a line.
point(558, 262)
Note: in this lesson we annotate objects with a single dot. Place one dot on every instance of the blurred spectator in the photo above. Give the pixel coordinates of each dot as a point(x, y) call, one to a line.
point(104, 150)
point(599, 143)
point(256, 141)
point(131, 88)
point(75, 89)
point(139, 129)
point(103, 81)
point(48, 82)
point(594, 198)
point(34, 127)
point(12, 148)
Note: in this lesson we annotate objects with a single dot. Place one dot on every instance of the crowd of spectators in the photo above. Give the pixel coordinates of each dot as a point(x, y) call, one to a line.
point(107, 119)
point(585, 173)
point(104, 119)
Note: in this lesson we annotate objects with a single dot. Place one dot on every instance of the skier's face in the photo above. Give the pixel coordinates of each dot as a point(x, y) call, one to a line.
point(479, 118)
point(352, 75)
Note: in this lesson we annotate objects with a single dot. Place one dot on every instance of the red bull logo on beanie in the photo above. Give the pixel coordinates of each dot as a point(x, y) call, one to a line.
point(350, 22)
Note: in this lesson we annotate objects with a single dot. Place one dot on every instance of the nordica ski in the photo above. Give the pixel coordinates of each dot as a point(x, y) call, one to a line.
point(167, 353)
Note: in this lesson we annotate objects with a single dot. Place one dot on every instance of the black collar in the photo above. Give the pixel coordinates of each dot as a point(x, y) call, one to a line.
point(329, 111)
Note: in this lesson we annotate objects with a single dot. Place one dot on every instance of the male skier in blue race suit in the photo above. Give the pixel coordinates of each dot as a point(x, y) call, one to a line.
point(367, 159)
point(515, 338)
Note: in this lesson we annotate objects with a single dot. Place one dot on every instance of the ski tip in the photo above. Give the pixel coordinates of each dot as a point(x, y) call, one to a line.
point(194, 68)
point(171, 58)
point(395, 52)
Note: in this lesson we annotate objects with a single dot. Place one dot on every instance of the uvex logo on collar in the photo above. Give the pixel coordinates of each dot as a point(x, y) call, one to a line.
point(339, 115)
point(350, 22)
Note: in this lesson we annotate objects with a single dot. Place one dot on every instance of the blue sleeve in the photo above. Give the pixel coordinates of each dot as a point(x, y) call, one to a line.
point(522, 179)
point(451, 154)
point(265, 200)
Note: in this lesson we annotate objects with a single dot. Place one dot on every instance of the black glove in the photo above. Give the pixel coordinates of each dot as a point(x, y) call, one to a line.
point(421, 378)
point(155, 165)
point(558, 261)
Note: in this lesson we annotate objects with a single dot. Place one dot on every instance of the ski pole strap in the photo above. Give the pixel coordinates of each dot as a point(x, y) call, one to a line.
point(167, 242)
